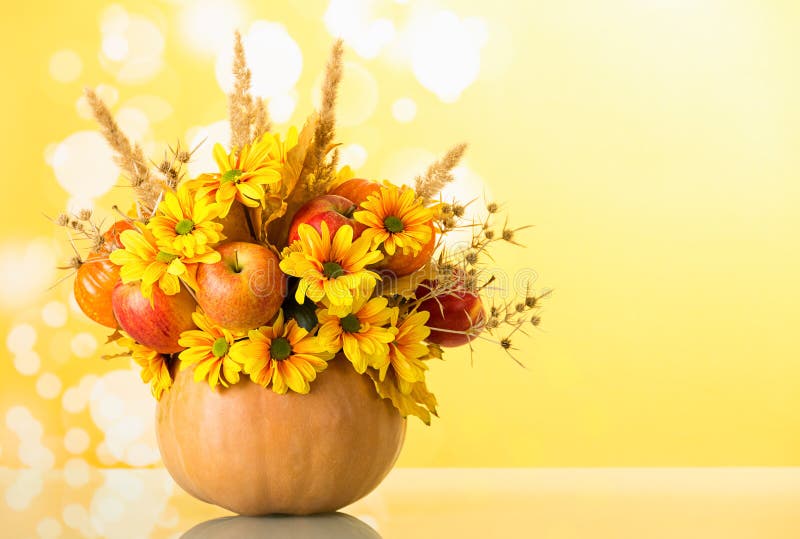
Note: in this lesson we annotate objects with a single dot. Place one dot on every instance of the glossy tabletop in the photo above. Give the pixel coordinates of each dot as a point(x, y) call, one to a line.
point(615, 503)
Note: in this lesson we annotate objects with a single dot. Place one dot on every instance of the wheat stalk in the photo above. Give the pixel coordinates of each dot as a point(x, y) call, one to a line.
point(129, 157)
point(439, 173)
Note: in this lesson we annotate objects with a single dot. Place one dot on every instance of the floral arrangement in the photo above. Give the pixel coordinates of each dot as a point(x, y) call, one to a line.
point(281, 261)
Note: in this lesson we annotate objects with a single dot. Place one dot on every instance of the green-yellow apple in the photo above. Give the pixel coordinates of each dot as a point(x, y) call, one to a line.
point(244, 290)
point(157, 326)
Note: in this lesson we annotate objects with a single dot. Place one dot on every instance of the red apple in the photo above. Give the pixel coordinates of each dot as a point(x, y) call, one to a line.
point(458, 310)
point(157, 326)
point(357, 189)
point(245, 289)
point(334, 210)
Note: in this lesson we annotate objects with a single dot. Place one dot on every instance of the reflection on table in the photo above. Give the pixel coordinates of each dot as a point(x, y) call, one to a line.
point(757, 503)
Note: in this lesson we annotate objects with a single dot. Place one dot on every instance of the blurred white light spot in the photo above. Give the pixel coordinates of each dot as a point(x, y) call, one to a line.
point(404, 110)
point(26, 270)
point(358, 95)
point(34, 455)
point(76, 441)
point(115, 47)
point(133, 122)
point(54, 314)
point(354, 155)
point(155, 108)
point(76, 472)
point(84, 165)
point(114, 19)
point(27, 363)
point(207, 25)
point(75, 516)
point(65, 66)
point(445, 53)
point(83, 344)
point(274, 58)
point(104, 455)
point(353, 21)
point(203, 138)
point(21, 338)
point(123, 409)
point(26, 486)
point(22, 423)
point(281, 107)
point(48, 386)
point(76, 398)
point(48, 528)
point(132, 48)
point(403, 166)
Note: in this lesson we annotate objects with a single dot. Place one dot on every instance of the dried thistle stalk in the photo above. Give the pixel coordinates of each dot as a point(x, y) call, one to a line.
point(439, 173)
point(129, 157)
point(324, 171)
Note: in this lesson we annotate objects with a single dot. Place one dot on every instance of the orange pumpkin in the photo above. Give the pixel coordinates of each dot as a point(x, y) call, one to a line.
point(97, 276)
point(255, 452)
point(357, 189)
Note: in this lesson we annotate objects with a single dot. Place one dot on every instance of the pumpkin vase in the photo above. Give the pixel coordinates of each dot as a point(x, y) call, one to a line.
point(255, 452)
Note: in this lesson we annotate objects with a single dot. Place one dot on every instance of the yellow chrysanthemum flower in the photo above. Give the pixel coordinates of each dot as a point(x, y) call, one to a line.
point(283, 355)
point(396, 218)
point(155, 370)
point(361, 335)
point(407, 350)
point(330, 269)
point(143, 260)
point(186, 225)
point(208, 349)
point(243, 173)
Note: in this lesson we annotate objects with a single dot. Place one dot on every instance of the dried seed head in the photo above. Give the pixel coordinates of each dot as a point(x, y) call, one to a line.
point(449, 223)
point(471, 258)
point(494, 311)
point(489, 234)
point(536, 320)
point(184, 156)
point(492, 323)
point(505, 343)
point(508, 234)
point(84, 214)
point(492, 207)
point(447, 208)
point(531, 301)
point(62, 219)
point(472, 272)
point(519, 307)
point(458, 210)
point(76, 225)
point(165, 166)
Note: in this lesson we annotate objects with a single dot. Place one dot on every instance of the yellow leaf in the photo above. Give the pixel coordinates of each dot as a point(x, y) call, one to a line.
point(420, 402)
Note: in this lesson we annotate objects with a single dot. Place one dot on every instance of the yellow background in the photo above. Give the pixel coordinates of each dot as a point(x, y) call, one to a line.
point(653, 143)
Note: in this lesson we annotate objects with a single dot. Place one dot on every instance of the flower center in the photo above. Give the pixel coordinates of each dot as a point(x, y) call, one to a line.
point(231, 175)
point(184, 227)
point(350, 323)
point(332, 270)
point(393, 224)
point(220, 347)
point(280, 349)
point(166, 258)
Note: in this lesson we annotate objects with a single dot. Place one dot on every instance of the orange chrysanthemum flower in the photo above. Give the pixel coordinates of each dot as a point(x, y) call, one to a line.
point(155, 370)
point(283, 355)
point(208, 350)
point(185, 225)
point(395, 218)
point(243, 173)
point(330, 269)
point(361, 335)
